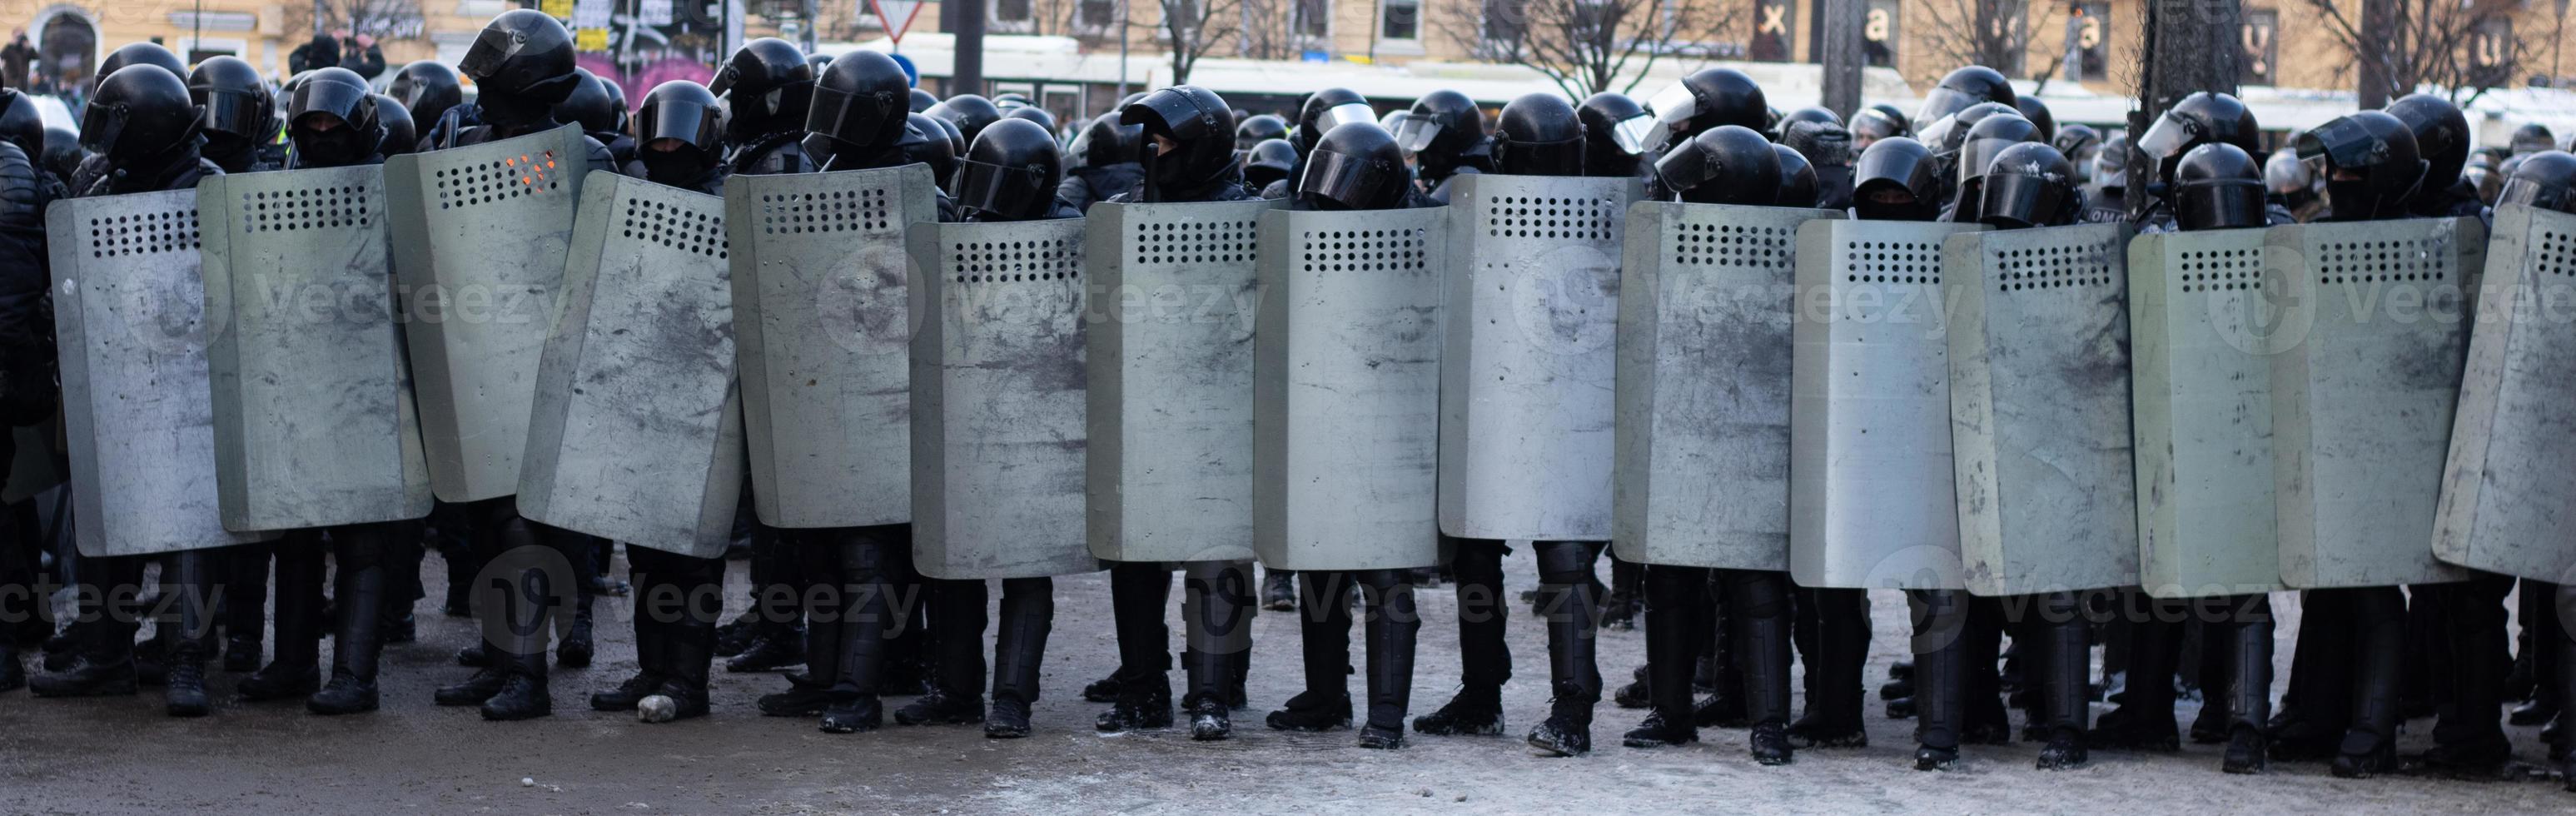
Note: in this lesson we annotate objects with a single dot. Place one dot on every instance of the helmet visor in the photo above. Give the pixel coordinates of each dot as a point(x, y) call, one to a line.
point(2341, 142)
point(1414, 133)
point(1942, 102)
point(1673, 106)
point(344, 101)
point(492, 48)
point(100, 125)
point(1977, 153)
point(2167, 137)
point(236, 112)
point(836, 111)
point(2521, 191)
point(2019, 200)
point(1343, 114)
point(2235, 204)
point(1909, 169)
point(1563, 157)
point(1351, 180)
point(687, 121)
point(988, 187)
point(1631, 133)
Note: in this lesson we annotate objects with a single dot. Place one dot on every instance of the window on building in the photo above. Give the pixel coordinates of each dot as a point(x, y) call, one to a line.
point(2262, 46)
point(2093, 40)
point(1399, 20)
point(1505, 20)
point(1097, 14)
point(1011, 11)
point(1311, 18)
point(1880, 32)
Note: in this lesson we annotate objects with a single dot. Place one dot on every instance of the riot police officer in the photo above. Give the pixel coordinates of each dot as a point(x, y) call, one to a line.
point(522, 66)
point(27, 379)
point(140, 53)
point(1614, 135)
point(428, 88)
point(593, 104)
point(1976, 151)
point(2195, 120)
point(679, 139)
point(1356, 166)
point(238, 111)
point(1259, 128)
point(1896, 179)
point(1959, 90)
point(767, 87)
point(938, 150)
point(2078, 142)
point(2442, 134)
point(2107, 200)
point(1706, 99)
point(1445, 134)
point(1188, 157)
point(1797, 178)
point(1826, 146)
point(1265, 164)
point(969, 112)
point(142, 130)
point(1322, 111)
point(1880, 121)
point(1102, 163)
point(2288, 183)
point(401, 135)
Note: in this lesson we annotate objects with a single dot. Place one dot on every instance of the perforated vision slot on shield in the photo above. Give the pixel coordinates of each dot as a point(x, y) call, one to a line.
point(2203, 315)
point(2362, 399)
point(130, 320)
point(2506, 490)
point(1170, 360)
point(1705, 315)
point(314, 420)
point(1871, 502)
point(479, 234)
point(2039, 408)
point(997, 400)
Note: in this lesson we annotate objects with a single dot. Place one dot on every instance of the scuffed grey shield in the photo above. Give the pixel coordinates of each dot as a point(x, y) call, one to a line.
point(314, 421)
point(131, 324)
point(2362, 405)
point(1871, 503)
point(2506, 486)
point(1526, 395)
point(1170, 360)
point(1346, 389)
point(479, 235)
point(2039, 408)
point(1702, 476)
point(637, 431)
point(997, 400)
point(822, 322)
point(2202, 323)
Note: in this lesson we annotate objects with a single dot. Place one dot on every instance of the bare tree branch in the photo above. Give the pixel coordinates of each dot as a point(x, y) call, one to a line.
point(1992, 33)
point(2465, 47)
point(1588, 46)
point(1191, 28)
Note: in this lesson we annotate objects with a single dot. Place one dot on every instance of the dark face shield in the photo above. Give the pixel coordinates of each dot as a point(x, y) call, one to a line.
point(1558, 158)
point(492, 49)
point(2012, 201)
point(1351, 181)
point(1975, 154)
point(237, 113)
point(1009, 192)
point(691, 122)
point(2236, 204)
point(101, 125)
point(2523, 191)
point(840, 113)
point(344, 101)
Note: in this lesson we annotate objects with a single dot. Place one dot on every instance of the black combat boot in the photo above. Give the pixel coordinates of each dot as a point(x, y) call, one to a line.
point(2065, 663)
point(294, 669)
point(2145, 721)
point(360, 589)
point(957, 644)
point(1139, 594)
point(196, 585)
point(1028, 613)
point(1676, 619)
point(808, 697)
point(1939, 675)
point(1217, 608)
point(2248, 636)
point(520, 650)
point(872, 558)
point(1758, 608)
point(2369, 745)
point(1324, 635)
point(1392, 625)
point(1834, 718)
point(688, 650)
point(245, 607)
point(578, 645)
point(1279, 590)
point(1570, 602)
point(1485, 660)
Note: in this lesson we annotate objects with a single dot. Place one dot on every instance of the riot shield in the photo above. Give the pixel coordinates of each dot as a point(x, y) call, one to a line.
point(2506, 488)
point(1526, 398)
point(1170, 361)
point(478, 237)
point(997, 400)
point(1871, 502)
point(2039, 408)
point(130, 322)
point(1346, 389)
point(822, 323)
point(636, 434)
point(2201, 322)
point(2362, 402)
point(314, 422)
point(1703, 421)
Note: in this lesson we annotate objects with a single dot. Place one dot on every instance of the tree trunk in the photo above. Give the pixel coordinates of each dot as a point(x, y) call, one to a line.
point(2378, 19)
point(2191, 47)
point(1842, 51)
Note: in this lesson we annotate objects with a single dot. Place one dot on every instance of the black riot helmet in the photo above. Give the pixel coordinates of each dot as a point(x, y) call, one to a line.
point(2533, 138)
point(232, 99)
point(2369, 161)
point(1810, 115)
point(2196, 120)
point(332, 120)
point(521, 65)
point(140, 53)
point(1727, 164)
point(1442, 123)
point(1355, 167)
point(1706, 99)
point(1269, 161)
point(1951, 133)
point(1896, 179)
point(1880, 121)
point(401, 134)
point(2077, 142)
point(2037, 112)
point(1959, 90)
point(679, 134)
point(2218, 186)
point(1989, 137)
point(1254, 130)
point(1614, 132)
point(923, 100)
point(2544, 180)
point(1823, 144)
point(1010, 173)
point(1188, 139)
point(860, 101)
point(1104, 142)
point(1797, 178)
point(2111, 164)
point(616, 101)
point(2028, 184)
point(1539, 135)
point(941, 128)
point(589, 105)
point(21, 124)
point(2284, 175)
point(969, 112)
point(1328, 109)
point(427, 88)
point(938, 149)
point(1012, 99)
point(1032, 113)
point(767, 87)
point(2441, 137)
point(139, 112)
point(62, 153)
point(823, 61)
